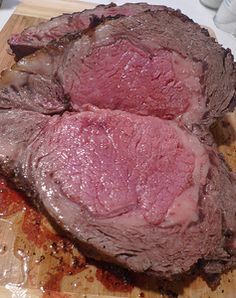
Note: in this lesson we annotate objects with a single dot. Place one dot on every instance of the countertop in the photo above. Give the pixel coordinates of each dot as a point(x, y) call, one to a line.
point(193, 9)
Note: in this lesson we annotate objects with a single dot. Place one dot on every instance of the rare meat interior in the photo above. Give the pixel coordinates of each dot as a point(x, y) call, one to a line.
point(162, 84)
point(117, 163)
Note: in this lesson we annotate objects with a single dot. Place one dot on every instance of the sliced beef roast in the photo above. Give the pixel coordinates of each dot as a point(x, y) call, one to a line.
point(156, 63)
point(138, 191)
point(36, 37)
point(134, 187)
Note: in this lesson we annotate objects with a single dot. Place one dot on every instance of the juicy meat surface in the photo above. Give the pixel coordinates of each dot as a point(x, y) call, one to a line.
point(36, 37)
point(138, 190)
point(109, 171)
point(122, 64)
point(164, 84)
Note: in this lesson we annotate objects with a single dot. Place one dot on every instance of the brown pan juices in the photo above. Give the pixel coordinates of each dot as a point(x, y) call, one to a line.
point(37, 242)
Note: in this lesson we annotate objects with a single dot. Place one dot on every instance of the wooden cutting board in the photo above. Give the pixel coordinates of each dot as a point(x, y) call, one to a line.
point(36, 262)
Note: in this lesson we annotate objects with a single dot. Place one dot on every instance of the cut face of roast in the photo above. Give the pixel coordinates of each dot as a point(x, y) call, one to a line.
point(121, 64)
point(162, 84)
point(114, 164)
point(138, 190)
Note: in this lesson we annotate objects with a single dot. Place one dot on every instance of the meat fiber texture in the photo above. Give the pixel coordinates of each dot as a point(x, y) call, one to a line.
point(106, 131)
point(138, 190)
point(143, 64)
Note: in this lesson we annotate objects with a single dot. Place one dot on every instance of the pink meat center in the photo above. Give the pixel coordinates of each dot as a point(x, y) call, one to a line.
point(115, 165)
point(122, 76)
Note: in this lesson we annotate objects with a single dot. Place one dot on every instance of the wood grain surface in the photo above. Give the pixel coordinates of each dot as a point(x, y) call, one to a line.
point(50, 8)
point(13, 282)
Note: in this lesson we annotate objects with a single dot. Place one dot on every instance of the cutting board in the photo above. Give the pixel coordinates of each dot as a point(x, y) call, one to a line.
point(36, 262)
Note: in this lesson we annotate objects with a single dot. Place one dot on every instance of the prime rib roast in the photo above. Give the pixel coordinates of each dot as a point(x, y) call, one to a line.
point(106, 129)
point(140, 190)
point(142, 64)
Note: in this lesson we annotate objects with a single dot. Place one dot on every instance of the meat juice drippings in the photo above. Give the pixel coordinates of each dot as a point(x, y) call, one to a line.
point(38, 258)
point(51, 263)
point(35, 242)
